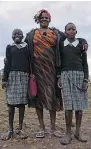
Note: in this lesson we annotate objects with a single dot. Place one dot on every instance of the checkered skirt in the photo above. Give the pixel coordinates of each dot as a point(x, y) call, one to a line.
point(17, 87)
point(73, 97)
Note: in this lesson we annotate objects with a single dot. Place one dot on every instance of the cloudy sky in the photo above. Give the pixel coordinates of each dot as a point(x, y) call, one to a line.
point(20, 15)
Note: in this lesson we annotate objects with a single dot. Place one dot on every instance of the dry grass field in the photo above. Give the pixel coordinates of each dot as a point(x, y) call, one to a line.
point(31, 126)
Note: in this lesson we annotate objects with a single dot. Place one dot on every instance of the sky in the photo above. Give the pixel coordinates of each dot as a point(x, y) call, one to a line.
point(20, 14)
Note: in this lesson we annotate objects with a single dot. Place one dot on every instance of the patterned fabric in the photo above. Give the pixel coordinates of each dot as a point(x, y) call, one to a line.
point(73, 96)
point(16, 91)
point(44, 70)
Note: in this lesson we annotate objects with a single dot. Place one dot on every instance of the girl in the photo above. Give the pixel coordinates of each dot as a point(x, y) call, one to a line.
point(74, 79)
point(15, 79)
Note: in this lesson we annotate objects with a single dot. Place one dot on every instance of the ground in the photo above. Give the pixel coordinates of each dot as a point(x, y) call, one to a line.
point(31, 126)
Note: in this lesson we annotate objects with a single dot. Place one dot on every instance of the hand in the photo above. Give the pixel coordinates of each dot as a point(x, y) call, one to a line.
point(59, 83)
point(4, 85)
point(85, 47)
point(84, 86)
point(5, 60)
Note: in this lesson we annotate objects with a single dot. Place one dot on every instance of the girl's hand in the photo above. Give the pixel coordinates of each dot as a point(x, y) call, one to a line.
point(84, 86)
point(4, 85)
point(59, 83)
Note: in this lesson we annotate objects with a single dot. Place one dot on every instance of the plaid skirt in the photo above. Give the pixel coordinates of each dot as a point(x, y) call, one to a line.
point(17, 88)
point(73, 96)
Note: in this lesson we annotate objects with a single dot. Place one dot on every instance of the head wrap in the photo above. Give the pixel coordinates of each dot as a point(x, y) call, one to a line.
point(37, 16)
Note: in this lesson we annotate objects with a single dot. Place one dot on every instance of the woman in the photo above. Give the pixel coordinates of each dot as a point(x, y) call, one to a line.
point(74, 79)
point(44, 48)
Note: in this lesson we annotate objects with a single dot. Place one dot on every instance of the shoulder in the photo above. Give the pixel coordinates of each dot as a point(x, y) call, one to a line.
point(56, 30)
point(84, 44)
point(29, 35)
point(82, 40)
point(31, 32)
point(60, 33)
point(8, 47)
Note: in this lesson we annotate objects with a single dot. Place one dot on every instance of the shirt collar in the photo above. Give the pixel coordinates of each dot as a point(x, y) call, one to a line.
point(74, 43)
point(21, 45)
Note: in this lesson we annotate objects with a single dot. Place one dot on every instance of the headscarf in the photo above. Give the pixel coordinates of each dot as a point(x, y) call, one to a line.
point(39, 13)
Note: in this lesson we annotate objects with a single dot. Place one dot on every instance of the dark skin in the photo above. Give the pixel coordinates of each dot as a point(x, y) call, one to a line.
point(17, 37)
point(44, 22)
point(71, 32)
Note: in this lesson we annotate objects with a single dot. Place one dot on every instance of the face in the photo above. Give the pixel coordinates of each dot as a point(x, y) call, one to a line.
point(71, 31)
point(44, 20)
point(17, 36)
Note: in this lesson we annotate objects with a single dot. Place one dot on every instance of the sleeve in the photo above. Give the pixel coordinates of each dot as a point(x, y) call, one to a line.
point(26, 39)
point(58, 69)
point(29, 58)
point(28, 44)
point(62, 35)
point(7, 65)
point(84, 48)
point(85, 66)
point(84, 44)
point(29, 41)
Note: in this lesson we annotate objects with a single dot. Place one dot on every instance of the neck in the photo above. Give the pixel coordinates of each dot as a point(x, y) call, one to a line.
point(18, 42)
point(43, 28)
point(71, 39)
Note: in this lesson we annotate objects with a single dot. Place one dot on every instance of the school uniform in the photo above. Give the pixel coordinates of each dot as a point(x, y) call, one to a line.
point(16, 74)
point(74, 71)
